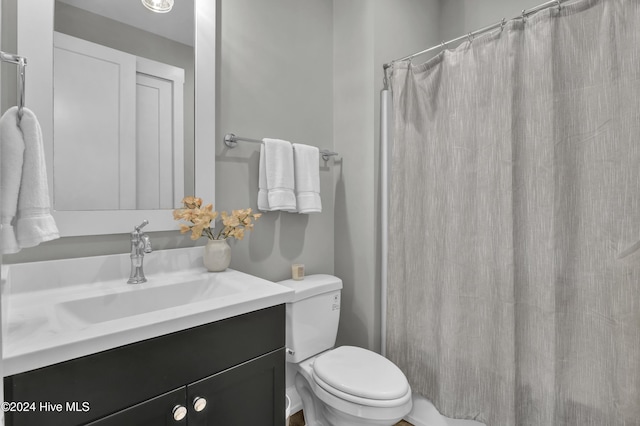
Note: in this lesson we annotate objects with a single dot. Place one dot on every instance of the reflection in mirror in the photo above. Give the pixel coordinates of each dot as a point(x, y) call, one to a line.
point(123, 106)
point(35, 40)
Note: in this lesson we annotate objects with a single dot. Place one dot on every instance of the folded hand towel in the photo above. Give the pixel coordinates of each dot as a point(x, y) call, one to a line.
point(276, 179)
point(35, 223)
point(11, 158)
point(307, 173)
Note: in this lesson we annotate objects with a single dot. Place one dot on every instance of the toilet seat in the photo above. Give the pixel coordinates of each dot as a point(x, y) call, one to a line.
point(362, 377)
point(376, 403)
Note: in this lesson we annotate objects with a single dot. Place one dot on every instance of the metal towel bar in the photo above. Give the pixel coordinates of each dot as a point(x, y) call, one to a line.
point(231, 141)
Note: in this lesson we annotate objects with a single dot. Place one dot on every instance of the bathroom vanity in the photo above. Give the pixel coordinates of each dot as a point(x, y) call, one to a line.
point(234, 367)
point(187, 347)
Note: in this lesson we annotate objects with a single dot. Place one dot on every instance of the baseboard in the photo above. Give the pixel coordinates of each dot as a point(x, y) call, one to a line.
point(296, 401)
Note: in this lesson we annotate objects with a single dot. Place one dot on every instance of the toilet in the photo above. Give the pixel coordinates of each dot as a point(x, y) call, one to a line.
point(343, 386)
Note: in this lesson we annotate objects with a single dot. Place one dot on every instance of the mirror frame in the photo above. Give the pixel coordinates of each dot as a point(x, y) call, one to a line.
point(35, 42)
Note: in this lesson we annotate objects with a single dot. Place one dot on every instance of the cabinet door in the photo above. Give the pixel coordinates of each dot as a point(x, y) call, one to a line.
point(157, 411)
point(251, 393)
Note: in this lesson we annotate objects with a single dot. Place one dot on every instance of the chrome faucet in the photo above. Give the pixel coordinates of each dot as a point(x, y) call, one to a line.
point(140, 244)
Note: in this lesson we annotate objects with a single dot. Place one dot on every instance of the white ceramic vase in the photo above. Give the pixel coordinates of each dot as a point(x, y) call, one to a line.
point(217, 255)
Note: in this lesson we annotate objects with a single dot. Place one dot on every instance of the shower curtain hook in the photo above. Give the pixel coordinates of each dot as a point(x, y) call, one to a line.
point(503, 23)
point(524, 16)
point(559, 5)
point(443, 46)
point(470, 37)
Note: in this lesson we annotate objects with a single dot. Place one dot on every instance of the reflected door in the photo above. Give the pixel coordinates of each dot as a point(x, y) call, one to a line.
point(94, 115)
point(119, 131)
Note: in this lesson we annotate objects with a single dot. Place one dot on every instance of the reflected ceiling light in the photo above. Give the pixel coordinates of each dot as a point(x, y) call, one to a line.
point(158, 6)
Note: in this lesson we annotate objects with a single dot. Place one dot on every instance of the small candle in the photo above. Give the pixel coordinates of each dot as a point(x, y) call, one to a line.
point(297, 271)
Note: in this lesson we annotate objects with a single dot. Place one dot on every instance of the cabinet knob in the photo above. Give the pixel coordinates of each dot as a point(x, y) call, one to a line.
point(179, 412)
point(199, 403)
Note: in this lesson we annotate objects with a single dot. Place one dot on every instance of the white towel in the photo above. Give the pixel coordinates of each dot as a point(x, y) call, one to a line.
point(35, 223)
point(307, 173)
point(25, 219)
point(11, 159)
point(275, 177)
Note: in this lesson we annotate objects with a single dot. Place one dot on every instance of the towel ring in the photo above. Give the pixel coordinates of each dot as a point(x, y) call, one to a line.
point(21, 62)
point(21, 78)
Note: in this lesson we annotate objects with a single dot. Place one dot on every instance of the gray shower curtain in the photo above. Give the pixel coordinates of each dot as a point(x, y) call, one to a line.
point(515, 196)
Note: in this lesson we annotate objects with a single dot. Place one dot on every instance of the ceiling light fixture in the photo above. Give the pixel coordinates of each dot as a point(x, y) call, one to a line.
point(158, 6)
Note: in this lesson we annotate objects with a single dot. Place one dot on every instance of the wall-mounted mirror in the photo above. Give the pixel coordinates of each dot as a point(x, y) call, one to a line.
point(114, 87)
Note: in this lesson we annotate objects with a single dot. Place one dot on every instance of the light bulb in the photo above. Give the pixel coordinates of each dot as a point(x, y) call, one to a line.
point(158, 6)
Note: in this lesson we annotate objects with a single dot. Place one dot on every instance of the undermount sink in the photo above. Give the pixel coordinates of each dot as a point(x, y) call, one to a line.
point(139, 301)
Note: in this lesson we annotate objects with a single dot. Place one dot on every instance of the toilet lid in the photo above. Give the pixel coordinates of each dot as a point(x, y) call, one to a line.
point(360, 372)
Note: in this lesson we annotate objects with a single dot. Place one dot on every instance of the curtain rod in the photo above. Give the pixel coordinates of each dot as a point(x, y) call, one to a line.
point(231, 141)
point(525, 13)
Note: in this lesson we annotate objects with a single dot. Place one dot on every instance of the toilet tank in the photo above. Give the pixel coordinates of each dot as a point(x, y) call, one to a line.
point(313, 315)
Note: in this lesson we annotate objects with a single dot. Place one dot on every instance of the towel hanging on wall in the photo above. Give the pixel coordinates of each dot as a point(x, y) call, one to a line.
point(307, 175)
point(25, 217)
point(11, 159)
point(276, 177)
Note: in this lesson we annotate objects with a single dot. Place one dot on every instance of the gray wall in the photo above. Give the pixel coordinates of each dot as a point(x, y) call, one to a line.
point(353, 110)
point(311, 72)
point(2, 74)
point(366, 35)
point(275, 80)
point(8, 44)
point(459, 17)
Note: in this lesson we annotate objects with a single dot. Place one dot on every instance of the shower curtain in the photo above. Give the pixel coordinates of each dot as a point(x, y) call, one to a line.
point(514, 287)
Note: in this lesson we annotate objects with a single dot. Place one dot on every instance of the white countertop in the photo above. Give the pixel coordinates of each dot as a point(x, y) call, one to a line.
point(37, 332)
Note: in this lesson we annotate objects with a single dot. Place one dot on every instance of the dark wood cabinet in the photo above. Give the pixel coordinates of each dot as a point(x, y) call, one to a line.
point(157, 411)
point(249, 394)
point(235, 365)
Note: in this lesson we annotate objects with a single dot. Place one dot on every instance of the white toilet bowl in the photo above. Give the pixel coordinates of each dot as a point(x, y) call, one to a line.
point(345, 386)
point(350, 386)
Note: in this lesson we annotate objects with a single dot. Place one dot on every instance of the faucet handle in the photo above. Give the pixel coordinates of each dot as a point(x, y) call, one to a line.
point(142, 225)
point(146, 243)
